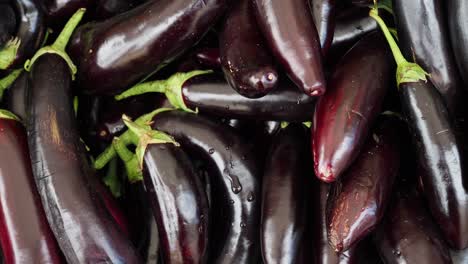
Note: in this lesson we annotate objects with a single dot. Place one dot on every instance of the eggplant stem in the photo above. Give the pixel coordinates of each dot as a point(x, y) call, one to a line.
point(8, 80)
point(130, 160)
point(9, 52)
point(5, 114)
point(58, 47)
point(111, 180)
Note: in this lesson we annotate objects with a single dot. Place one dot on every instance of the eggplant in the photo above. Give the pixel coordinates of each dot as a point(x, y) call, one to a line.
point(84, 230)
point(437, 144)
point(15, 96)
point(25, 234)
point(59, 11)
point(30, 34)
point(209, 57)
point(345, 114)
point(457, 12)
point(407, 233)
point(284, 197)
point(425, 38)
point(235, 180)
point(8, 23)
point(322, 251)
point(292, 37)
point(361, 197)
point(323, 12)
point(108, 8)
point(116, 53)
point(211, 94)
point(246, 62)
point(175, 193)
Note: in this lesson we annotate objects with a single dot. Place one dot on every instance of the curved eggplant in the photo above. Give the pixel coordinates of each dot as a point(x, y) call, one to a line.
point(458, 25)
point(344, 115)
point(236, 180)
point(15, 96)
point(425, 38)
point(323, 12)
point(116, 53)
point(29, 36)
point(247, 64)
point(25, 234)
point(360, 199)
point(290, 32)
point(285, 192)
point(8, 23)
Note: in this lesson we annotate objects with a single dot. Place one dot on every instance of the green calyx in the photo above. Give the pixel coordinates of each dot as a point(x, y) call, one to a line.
point(134, 172)
point(5, 114)
point(171, 87)
point(406, 71)
point(9, 52)
point(111, 180)
point(58, 47)
point(8, 80)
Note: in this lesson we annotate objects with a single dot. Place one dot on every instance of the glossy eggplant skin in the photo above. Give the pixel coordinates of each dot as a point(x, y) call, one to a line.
point(25, 234)
point(425, 38)
point(246, 61)
point(361, 197)
point(323, 252)
point(15, 96)
point(292, 37)
point(344, 115)
point(458, 25)
point(407, 233)
point(179, 203)
point(323, 12)
point(149, 36)
point(31, 29)
point(212, 94)
point(84, 230)
point(7, 23)
point(284, 196)
point(209, 57)
point(440, 159)
point(59, 11)
point(108, 8)
point(235, 183)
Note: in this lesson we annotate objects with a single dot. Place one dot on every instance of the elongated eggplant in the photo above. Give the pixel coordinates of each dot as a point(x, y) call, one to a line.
point(84, 230)
point(116, 53)
point(25, 234)
point(15, 96)
point(59, 11)
point(361, 197)
point(210, 93)
point(323, 12)
point(7, 23)
point(108, 8)
point(284, 206)
point(29, 35)
point(322, 251)
point(247, 64)
point(407, 233)
point(235, 180)
point(458, 25)
point(290, 32)
point(344, 115)
point(209, 57)
point(440, 155)
point(176, 195)
point(425, 38)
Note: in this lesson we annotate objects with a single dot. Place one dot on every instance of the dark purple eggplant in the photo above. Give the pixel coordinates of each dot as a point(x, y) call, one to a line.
point(290, 32)
point(458, 25)
point(323, 12)
point(322, 251)
point(440, 155)
point(344, 115)
point(175, 193)
point(284, 197)
point(361, 197)
point(59, 11)
point(29, 35)
point(84, 230)
point(407, 233)
point(15, 96)
point(25, 234)
point(423, 35)
point(116, 53)
point(108, 8)
point(235, 183)
point(8, 23)
point(211, 94)
point(209, 57)
point(246, 62)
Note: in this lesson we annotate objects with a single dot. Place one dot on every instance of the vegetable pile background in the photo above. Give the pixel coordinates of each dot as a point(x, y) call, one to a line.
point(248, 131)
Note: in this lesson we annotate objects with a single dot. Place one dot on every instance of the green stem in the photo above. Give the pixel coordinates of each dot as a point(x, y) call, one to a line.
point(126, 138)
point(134, 172)
point(394, 33)
point(8, 80)
point(5, 114)
point(112, 179)
point(171, 87)
point(58, 47)
point(9, 52)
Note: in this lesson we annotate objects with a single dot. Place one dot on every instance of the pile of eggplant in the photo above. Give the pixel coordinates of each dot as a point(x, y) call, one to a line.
point(247, 131)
